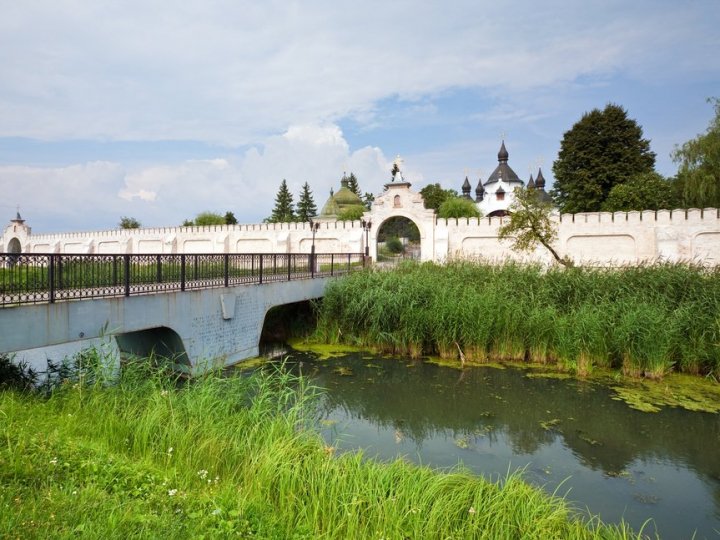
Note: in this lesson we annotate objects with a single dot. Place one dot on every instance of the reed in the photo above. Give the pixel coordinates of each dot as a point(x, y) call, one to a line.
point(645, 320)
point(145, 457)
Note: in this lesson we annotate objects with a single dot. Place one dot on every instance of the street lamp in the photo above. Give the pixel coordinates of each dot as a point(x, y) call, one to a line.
point(314, 226)
point(366, 227)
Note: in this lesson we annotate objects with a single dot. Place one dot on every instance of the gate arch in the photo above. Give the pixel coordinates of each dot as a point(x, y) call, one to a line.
point(14, 246)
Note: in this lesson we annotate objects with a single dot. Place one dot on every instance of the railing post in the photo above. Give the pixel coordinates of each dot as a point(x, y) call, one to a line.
point(289, 257)
point(182, 272)
point(260, 268)
point(126, 265)
point(114, 271)
point(348, 268)
point(51, 278)
point(226, 259)
point(332, 264)
point(159, 269)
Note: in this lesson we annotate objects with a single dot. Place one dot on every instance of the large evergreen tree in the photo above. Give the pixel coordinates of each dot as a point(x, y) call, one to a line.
point(699, 172)
point(353, 185)
point(603, 149)
point(283, 211)
point(306, 209)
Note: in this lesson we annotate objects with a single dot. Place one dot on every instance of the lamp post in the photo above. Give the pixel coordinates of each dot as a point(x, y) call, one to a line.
point(314, 226)
point(366, 227)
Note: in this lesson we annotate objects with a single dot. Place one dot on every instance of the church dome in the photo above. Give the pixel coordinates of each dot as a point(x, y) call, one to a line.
point(345, 196)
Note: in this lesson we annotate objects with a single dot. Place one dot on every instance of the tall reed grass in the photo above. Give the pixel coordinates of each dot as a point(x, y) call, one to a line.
point(645, 320)
point(144, 457)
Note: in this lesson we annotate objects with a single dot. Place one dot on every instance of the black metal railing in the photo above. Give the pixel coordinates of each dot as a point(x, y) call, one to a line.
point(39, 278)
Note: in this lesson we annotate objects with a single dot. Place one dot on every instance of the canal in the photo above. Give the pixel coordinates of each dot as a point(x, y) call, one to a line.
point(568, 436)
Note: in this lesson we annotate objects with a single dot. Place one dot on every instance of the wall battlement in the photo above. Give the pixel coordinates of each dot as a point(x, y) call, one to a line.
point(587, 238)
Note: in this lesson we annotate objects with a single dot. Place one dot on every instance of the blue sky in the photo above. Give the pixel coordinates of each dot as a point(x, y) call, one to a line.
point(159, 112)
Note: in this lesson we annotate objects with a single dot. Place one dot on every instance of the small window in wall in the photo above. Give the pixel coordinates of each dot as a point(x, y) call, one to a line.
point(500, 195)
point(396, 202)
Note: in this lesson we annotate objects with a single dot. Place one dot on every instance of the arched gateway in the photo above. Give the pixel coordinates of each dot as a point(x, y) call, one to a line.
point(399, 201)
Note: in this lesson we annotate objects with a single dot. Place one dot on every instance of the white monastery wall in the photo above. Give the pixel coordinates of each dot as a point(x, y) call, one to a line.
point(590, 238)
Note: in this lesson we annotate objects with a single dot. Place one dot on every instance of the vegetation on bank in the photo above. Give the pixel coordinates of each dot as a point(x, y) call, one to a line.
point(646, 320)
point(144, 457)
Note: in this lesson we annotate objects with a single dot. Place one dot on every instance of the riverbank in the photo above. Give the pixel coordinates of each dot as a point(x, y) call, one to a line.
point(238, 456)
point(645, 321)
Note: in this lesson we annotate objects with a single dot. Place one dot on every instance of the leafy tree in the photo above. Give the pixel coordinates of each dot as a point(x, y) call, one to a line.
point(306, 208)
point(434, 195)
point(230, 218)
point(209, 218)
point(352, 213)
point(399, 226)
point(188, 223)
point(458, 207)
point(368, 199)
point(283, 211)
point(529, 224)
point(603, 149)
point(394, 245)
point(353, 185)
point(129, 223)
point(699, 160)
point(648, 191)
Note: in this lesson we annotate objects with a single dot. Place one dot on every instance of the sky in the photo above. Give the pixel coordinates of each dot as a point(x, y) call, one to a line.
point(161, 110)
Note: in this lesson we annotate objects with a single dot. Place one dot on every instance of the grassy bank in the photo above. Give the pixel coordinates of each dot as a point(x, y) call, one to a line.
point(227, 457)
point(646, 321)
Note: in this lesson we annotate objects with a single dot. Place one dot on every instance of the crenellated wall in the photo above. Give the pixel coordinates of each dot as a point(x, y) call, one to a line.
point(590, 238)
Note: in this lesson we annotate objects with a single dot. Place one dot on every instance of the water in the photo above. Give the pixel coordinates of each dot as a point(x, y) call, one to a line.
point(567, 435)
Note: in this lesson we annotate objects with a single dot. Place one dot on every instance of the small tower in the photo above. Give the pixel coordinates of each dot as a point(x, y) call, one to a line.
point(479, 191)
point(531, 182)
point(540, 182)
point(466, 187)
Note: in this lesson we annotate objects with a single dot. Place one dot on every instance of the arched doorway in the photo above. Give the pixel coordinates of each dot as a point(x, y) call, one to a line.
point(398, 238)
point(14, 246)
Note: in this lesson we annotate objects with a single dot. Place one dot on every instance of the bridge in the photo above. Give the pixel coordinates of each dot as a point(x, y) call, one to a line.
point(202, 310)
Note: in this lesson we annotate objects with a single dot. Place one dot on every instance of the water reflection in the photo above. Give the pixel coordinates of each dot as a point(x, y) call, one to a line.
point(620, 462)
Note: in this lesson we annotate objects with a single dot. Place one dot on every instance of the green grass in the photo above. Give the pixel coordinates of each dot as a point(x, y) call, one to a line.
point(647, 320)
point(233, 457)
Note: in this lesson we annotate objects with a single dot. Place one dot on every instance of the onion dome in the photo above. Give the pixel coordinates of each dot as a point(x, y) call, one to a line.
point(345, 196)
point(479, 191)
point(531, 182)
point(503, 171)
point(331, 208)
point(503, 153)
point(466, 188)
point(540, 182)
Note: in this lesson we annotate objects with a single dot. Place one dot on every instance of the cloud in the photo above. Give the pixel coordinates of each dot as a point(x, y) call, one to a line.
point(233, 72)
point(93, 196)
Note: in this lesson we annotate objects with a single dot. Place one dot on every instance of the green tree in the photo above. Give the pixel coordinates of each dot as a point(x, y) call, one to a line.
point(647, 191)
point(129, 223)
point(352, 213)
point(306, 208)
point(209, 218)
point(283, 211)
point(188, 223)
point(603, 149)
point(530, 224)
point(230, 218)
point(458, 207)
point(353, 185)
point(368, 199)
point(434, 195)
point(699, 165)
point(395, 169)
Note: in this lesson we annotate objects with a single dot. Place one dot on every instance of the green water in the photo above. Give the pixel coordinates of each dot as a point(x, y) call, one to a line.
point(568, 435)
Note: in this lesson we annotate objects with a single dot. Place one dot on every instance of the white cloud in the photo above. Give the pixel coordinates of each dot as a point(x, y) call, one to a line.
point(95, 195)
point(232, 72)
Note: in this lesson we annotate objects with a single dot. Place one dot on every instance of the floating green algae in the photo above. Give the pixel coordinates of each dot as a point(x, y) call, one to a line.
point(324, 351)
point(688, 392)
point(252, 363)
